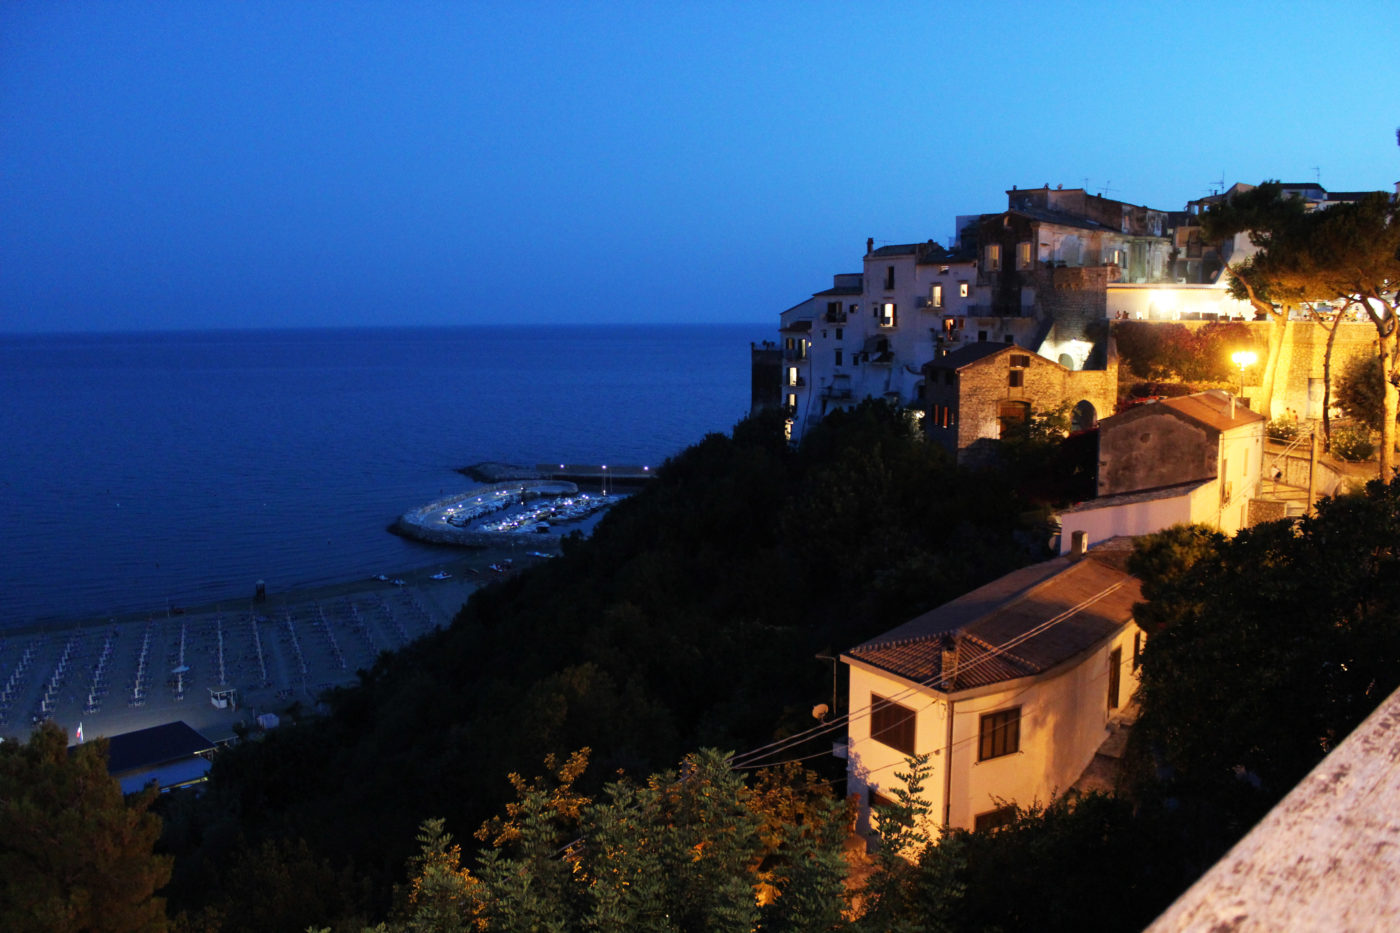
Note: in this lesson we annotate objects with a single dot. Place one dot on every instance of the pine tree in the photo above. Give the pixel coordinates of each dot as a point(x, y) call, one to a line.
point(75, 855)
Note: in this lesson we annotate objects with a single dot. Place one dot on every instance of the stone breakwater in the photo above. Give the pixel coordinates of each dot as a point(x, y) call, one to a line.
point(447, 521)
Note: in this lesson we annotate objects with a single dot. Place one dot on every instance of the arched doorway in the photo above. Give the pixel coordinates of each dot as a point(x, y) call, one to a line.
point(1083, 417)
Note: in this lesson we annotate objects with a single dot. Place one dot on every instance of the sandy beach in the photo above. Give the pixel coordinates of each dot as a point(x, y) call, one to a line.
point(120, 674)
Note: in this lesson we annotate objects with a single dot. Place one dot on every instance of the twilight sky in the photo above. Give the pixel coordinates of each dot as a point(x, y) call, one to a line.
point(254, 164)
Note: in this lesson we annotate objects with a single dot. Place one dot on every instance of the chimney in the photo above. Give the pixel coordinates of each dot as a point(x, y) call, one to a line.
point(869, 245)
point(1079, 545)
point(949, 644)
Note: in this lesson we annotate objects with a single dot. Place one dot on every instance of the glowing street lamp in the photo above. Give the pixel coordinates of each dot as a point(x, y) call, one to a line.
point(1244, 359)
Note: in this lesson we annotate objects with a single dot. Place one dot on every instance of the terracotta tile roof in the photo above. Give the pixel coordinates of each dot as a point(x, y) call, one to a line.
point(1025, 623)
point(1212, 409)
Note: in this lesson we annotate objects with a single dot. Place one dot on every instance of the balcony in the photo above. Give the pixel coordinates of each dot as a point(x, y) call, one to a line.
point(794, 354)
point(835, 317)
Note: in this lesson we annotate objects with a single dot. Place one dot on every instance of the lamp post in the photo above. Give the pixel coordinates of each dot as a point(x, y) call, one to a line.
point(1244, 359)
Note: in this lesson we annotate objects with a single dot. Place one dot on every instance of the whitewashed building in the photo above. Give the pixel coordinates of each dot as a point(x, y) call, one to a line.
point(1010, 689)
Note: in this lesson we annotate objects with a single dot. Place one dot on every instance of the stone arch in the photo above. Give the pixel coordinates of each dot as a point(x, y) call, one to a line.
point(1084, 416)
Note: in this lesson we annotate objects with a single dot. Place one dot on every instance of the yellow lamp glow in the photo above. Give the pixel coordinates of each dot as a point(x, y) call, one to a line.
point(1244, 359)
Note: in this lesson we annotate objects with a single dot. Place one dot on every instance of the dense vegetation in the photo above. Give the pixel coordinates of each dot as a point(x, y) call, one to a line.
point(691, 618)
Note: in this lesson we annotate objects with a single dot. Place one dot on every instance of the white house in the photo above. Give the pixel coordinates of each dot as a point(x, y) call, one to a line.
point(1198, 459)
point(1010, 689)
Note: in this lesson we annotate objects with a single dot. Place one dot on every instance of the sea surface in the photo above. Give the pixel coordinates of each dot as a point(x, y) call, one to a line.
point(142, 471)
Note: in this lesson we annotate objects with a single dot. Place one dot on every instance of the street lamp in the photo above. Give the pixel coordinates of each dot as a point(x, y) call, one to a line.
point(1244, 359)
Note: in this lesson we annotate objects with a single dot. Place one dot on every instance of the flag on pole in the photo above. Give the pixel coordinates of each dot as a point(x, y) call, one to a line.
point(80, 732)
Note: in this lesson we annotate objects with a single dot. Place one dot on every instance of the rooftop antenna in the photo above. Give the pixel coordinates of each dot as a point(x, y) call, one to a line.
point(1317, 175)
point(1108, 188)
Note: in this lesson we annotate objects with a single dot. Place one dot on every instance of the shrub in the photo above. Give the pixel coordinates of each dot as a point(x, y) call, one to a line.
point(1282, 429)
point(1352, 442)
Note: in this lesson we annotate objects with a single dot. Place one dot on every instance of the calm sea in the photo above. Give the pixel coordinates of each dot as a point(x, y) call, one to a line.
point(141, 470)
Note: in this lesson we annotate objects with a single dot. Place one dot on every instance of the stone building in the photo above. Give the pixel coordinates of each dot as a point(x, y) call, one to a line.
point(973, 394)
point(1195, 459)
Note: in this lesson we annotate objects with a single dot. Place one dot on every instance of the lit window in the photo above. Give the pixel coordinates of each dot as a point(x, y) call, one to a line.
point(936, 296)
point(888, 314)
point(962, 289)
point(1023, 255)
point(1000, 734)
point(792, 400)
point(993, 257)
point(793, 377)
point(892, 724)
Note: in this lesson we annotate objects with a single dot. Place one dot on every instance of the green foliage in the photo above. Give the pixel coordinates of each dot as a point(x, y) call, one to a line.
point(1161, 561)
point(1281, 639)
point(689, 618)
point(74, 855)
point(1352, 442)
point(689, 850)
point(893, 890)
point(1082, 863)
point(1360, 391)
point(1165, 351)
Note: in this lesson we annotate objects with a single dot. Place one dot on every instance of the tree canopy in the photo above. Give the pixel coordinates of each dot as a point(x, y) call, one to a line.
point(74, 855)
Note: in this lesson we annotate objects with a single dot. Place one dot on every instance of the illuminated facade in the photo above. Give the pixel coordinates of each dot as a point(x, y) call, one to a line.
point(1010, 689)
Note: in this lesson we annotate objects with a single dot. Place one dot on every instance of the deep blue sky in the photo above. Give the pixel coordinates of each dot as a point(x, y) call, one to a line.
point(245, 164)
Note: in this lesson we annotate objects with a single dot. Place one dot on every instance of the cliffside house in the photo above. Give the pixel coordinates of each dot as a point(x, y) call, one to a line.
point(1198, 458)
point(974, 394)
point(1010, 688)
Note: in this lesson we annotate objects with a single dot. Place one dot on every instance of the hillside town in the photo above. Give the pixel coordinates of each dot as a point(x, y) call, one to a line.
point(1023, 689)
point(1108, 630)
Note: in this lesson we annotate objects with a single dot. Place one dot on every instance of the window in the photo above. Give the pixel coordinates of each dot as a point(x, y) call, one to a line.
point(839, 331)
point(1000, 734)
point(962, 289)
point(1010, 338)
point(794, 379)
point(888, 313)
point(792, 400)
point(877, 799)
point(892, 724)
point(1016, 378)
point(1137, 650)
point(994, 819)
point(889, 277)
point(1023, 255)
point(981, 336)
point(950, 377)
point(1115, 669)
point(935, 296)
point(1021, 360)
point(993, 257)
point(838, 356)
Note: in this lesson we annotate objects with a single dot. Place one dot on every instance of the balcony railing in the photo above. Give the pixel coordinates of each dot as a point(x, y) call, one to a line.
point(793, 355)
point(835, 317)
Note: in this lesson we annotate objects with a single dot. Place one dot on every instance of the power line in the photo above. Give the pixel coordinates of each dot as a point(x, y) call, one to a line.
point(748, 759)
